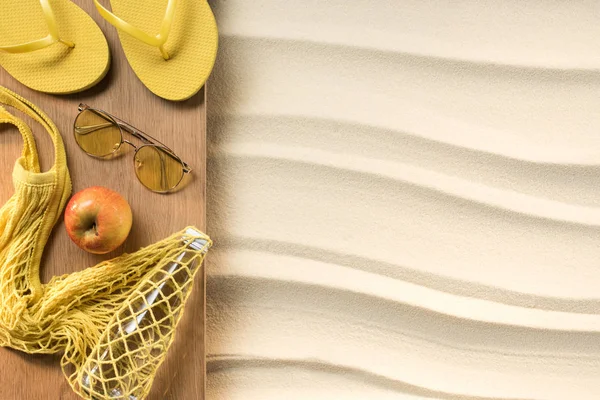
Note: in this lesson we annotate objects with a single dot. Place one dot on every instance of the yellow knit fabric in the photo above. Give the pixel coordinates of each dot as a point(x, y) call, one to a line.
point(113, 322)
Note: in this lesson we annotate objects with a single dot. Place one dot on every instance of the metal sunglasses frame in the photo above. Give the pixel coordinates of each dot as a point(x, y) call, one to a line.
point(148, 141)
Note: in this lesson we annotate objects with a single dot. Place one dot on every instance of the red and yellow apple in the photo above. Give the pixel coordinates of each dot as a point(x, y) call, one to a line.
point(98, 219)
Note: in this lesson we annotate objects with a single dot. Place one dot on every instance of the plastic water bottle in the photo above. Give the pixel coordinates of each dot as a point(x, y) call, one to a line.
point(128, 354)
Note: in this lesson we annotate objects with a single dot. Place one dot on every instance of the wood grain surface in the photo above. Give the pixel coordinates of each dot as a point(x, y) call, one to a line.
point(182, 126)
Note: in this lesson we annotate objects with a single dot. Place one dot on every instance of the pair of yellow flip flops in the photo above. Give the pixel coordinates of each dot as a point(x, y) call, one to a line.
point(53, 46)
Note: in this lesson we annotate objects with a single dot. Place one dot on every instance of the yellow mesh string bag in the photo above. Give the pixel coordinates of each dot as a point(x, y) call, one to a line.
point(113, 322)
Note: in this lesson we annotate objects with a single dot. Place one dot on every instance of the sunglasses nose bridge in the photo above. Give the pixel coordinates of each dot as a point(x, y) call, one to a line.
point(129, 143)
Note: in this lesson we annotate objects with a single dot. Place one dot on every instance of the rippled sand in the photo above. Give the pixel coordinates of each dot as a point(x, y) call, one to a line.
point(405, 199)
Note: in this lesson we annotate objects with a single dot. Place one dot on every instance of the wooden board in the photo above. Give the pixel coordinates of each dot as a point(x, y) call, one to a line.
point(182, 126)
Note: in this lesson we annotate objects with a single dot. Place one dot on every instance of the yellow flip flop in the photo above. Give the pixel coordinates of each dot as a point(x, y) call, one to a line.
point(51, 46)
point(171, 45)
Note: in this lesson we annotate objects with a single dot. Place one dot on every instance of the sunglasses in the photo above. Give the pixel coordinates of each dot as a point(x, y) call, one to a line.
point(100, 135)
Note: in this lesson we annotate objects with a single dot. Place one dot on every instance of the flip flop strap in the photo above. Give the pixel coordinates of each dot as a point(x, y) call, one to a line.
point(156, 40)
point(49, 40)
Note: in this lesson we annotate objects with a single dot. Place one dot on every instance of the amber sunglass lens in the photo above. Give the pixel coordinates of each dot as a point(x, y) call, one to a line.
point(156, 169)
point(96, 133)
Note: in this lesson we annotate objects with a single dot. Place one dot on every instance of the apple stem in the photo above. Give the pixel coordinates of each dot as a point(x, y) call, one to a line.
point(94, 228)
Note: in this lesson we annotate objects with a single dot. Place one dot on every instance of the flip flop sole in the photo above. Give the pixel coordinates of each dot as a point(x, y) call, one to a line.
point(192, 45)
point(55, 69)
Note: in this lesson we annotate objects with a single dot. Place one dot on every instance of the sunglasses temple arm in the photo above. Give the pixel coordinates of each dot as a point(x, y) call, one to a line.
point(144, 137)
point(85, 130)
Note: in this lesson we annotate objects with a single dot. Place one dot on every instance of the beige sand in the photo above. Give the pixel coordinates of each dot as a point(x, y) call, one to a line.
point(405, 197)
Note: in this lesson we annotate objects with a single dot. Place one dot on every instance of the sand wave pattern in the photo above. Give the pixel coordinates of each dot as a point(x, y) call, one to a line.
point(405, 201)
